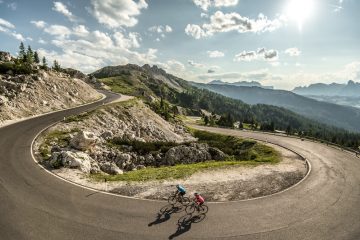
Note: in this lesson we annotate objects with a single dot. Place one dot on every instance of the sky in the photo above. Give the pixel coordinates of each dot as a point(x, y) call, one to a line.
point(282, 43)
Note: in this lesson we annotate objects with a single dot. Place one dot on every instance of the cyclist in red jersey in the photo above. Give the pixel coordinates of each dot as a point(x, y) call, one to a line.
point(199, 199)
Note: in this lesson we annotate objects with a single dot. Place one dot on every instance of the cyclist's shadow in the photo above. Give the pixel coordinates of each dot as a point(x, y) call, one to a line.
point(185, 222)
point(165, 214)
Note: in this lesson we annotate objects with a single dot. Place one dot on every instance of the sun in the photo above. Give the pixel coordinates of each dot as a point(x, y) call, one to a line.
point(300, 10)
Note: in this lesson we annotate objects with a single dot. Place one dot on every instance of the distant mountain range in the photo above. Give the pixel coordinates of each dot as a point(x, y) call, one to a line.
point(241, 84)
point(332, 114)
point(351, 89)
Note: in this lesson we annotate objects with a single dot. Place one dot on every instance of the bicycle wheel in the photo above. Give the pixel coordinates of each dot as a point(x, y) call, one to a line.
point(190, 208)
point(185, 201)
point(203, 209)
point(172, 199)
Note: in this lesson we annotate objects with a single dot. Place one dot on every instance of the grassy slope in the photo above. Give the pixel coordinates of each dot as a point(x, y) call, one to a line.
point(241, 152)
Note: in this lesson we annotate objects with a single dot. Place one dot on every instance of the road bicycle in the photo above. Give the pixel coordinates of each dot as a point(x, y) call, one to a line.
point(201, 209)
point(176, 197)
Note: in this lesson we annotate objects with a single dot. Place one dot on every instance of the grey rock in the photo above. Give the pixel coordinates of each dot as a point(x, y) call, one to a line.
point(107, 135)
point(110, 168)
point(79, 160)
point(83, 140)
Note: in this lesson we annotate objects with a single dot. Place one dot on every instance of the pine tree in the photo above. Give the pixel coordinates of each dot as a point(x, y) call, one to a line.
point(22, 53)
point(29, 55)
point(44, 63)
point(56, 66)
point(36, 58)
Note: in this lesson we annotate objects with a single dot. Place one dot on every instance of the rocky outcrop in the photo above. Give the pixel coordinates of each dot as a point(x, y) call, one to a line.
point(72, 159)
point(83, 140)
point(192, 154)
point(25, 95)
point(110, 168)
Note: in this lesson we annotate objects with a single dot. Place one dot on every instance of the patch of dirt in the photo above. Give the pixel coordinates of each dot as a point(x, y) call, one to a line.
point(229, 184)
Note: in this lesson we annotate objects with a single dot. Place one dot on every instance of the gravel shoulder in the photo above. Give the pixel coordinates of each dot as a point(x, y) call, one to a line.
point(227, 184)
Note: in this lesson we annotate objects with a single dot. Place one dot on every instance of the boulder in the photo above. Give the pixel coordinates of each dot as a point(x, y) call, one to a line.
point(216, 154)
point(185, 154)
point(107, 135)
point(83, 140)
point(79, 160)
point(110, 168)
point(56, 160)
point(94, 167)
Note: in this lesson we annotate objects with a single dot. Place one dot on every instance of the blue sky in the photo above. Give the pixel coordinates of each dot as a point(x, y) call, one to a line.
point(284, 43)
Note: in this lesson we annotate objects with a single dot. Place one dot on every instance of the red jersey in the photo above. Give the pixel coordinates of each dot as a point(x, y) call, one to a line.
point(199, 199)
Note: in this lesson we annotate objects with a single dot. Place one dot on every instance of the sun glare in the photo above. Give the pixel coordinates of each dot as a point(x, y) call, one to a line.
point(300, 11)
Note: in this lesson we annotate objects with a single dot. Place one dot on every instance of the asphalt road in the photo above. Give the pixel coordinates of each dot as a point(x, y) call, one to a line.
point(36, 205)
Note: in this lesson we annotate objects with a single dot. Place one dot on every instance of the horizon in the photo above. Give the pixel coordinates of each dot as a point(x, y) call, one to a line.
point(275, 43)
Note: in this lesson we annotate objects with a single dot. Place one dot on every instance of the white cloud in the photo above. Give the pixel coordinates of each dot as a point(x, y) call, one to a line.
point(18, 36)
point(127, 43)
point(348, 72)
point(206, 4)
point(39, 24)
point(6, 24)
point(293, 52)
point(204, 15)
point(203, 4)
point(117, 13)
point(168, 29)
point(80, 30)
point(88, 50)
point(215, 54)
point(260, 54)
point(195, 64)
point(160, 29)
point(195, 31)
point(225, 3)
point(175, 66)
point(62, 8)
point(59, 31)
point(257, 75)
point(7, 28)
point(42, 41)
point(226, 22)
point(157, 29)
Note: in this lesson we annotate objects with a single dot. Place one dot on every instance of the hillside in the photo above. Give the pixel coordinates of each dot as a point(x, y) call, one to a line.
point(25, 95)
point(241, 84)
point(151, 83)
point(351, 89)
point(332, 114)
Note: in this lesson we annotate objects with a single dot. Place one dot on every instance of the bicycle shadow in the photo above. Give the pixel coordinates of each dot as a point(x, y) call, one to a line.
point(185, 222)
point(165, 213)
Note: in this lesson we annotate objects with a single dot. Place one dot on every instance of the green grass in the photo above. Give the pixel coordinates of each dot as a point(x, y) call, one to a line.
point(237, 148)
point(78, 118)
point(174, 172)
point(61, 138)
point(123, 85)
point(240, 152)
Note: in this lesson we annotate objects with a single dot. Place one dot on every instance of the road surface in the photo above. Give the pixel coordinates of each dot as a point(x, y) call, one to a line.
point(36, 205)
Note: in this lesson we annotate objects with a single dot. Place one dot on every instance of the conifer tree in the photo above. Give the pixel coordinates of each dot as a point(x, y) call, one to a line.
point(56, 66)
point(44, 63)
point(36, 58)
point(29, 55)
point(22, 53)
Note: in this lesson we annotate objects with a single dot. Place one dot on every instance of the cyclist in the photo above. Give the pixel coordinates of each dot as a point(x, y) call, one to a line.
point(181, 191)
point(199, 200)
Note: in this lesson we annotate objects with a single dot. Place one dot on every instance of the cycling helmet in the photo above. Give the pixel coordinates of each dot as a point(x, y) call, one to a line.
point(196, 194)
